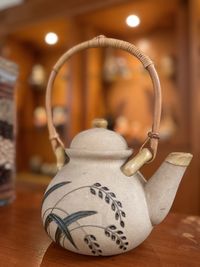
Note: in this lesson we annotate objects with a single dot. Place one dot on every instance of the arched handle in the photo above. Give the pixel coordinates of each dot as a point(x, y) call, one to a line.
point(102, 41)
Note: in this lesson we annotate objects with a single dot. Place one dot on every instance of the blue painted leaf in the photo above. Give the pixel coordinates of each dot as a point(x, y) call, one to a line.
point(64, 223)
point(61, 229)
point(58, 235)
point(47, 222)
point(54, 187)
point(77, 215)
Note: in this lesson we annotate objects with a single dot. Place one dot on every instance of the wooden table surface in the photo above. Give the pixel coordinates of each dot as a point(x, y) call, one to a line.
point(23, 242)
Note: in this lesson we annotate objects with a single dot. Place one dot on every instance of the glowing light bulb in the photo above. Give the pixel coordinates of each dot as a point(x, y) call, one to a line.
point(51, 38)
point(132, 21)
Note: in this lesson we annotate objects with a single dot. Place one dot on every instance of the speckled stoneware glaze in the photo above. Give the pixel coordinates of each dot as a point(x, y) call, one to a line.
point(91, 207)
point(99, 203)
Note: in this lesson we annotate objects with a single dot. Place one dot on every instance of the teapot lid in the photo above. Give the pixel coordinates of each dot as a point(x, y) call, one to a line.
point(99, 142)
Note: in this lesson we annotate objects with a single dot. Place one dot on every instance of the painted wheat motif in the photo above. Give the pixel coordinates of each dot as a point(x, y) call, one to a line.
point(110, 198)
point(116, 236)
point(93, 245)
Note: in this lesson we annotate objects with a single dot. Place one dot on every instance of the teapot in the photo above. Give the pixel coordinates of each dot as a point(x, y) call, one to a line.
point(99, 203)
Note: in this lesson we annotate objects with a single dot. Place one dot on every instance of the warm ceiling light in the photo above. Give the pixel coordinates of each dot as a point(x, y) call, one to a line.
point(132, 21)
point(51, 38)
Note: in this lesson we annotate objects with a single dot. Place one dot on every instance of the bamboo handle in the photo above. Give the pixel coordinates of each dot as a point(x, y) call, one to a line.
point(102, 41)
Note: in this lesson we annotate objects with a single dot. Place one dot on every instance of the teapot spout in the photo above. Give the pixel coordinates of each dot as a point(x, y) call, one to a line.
point(162, 186)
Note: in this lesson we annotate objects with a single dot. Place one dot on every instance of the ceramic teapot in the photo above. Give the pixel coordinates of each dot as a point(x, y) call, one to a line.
point(99, 203)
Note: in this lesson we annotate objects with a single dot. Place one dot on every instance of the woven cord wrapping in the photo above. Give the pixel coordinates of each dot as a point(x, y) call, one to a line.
point(102, 41)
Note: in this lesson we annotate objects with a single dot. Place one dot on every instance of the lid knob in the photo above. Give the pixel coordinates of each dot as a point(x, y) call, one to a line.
point(99, 123)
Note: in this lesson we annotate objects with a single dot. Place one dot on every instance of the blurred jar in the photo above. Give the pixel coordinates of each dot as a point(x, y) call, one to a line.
point(8, 76)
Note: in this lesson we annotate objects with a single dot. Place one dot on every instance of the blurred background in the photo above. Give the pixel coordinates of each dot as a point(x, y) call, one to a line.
point(105, 82)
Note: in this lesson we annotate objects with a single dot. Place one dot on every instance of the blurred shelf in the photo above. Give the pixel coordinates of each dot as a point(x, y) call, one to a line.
point(39, 179)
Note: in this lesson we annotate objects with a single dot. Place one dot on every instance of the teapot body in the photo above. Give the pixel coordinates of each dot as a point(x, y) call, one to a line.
point(97, 203)
point(92, 208)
